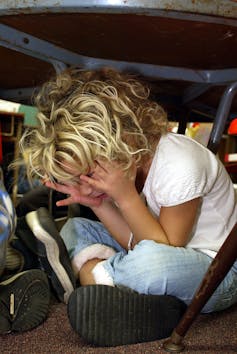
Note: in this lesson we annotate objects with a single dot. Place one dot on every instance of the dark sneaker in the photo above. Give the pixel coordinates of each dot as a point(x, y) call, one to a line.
point(30, 259)
point(24, 301)
point(39, 232)
point(110, 316)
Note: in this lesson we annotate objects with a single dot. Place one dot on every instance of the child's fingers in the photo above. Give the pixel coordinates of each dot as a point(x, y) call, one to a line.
point(49, 184)
point(58, 187)
point(87, 179)
point(90, 201)
point(100, 163)
point(64, 202)
point(96, 184)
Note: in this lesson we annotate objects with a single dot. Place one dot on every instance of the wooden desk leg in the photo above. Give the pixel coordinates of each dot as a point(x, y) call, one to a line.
point(218, 269)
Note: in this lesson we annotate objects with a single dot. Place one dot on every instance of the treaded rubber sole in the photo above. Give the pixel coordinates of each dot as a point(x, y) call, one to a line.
point(24, 301)
point(55, 260)
point(111, 316)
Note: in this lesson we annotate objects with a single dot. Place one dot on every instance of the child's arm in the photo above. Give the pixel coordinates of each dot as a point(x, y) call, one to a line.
point(173, 227)
point(174, 224)
point(111, 217)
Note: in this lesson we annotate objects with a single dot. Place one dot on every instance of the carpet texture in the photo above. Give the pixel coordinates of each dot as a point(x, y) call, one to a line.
point(212, 334)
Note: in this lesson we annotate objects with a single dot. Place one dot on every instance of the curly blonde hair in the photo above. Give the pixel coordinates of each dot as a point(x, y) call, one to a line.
point(85, 115)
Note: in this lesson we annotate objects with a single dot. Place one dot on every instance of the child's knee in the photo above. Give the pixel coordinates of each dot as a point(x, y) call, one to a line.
point(149, 252)
point(148, 268)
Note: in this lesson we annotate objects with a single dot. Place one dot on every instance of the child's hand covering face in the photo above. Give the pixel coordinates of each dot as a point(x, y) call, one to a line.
point(110, 179)
point(80, 192)
point(107, 179)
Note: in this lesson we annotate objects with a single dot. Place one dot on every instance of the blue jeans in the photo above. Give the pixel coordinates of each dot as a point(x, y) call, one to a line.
point(151, 268)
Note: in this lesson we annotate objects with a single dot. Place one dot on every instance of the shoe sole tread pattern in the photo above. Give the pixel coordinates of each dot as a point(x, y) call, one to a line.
point(110, 316)
point(31, 301)
point(55, 261)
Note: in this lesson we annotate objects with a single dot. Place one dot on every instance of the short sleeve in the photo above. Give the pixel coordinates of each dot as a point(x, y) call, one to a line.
point(180, 181)
point(181, 171)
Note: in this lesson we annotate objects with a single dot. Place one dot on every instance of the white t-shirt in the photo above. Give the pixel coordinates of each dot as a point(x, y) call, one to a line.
point(183, 169)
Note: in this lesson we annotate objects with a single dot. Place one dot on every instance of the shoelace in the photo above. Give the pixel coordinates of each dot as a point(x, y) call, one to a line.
point(12, 304)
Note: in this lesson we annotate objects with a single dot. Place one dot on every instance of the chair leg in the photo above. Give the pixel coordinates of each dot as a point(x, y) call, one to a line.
point(221, 117)
point(218, 269)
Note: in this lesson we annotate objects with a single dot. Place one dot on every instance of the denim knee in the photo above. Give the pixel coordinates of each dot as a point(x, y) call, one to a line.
point(153, 268)
point(145, 268)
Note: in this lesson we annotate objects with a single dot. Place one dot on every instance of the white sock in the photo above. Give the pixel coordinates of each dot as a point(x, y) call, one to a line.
point(101, 275)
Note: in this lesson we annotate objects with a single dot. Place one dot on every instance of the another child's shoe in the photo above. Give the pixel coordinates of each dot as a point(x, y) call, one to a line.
point(30, 259)
point(24, 301)
point(39, 232)
point(110, 316)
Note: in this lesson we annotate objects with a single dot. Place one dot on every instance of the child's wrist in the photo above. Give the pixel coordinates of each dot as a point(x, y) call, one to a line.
point(127, 199)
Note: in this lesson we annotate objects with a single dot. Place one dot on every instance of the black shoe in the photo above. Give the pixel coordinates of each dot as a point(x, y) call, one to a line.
point(24, 301)
point(30, 259)
point(38, 231)
point(110, 316)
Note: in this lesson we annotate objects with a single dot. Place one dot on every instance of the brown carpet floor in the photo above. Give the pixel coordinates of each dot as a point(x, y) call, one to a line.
point(212, 334)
